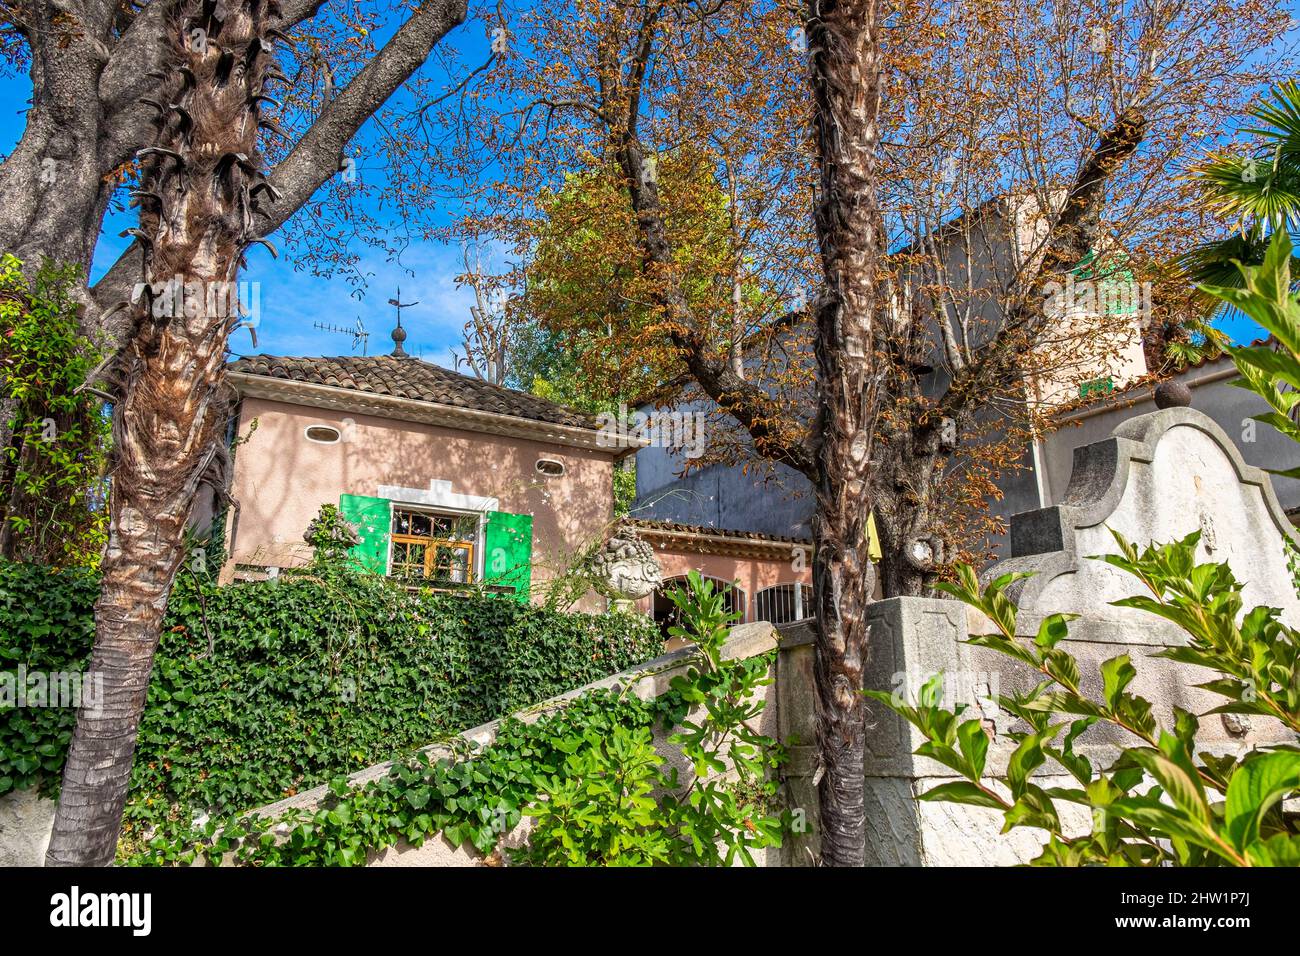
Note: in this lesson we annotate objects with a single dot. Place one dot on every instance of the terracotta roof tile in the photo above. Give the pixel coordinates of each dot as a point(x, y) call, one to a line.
point(650, 526)
point(413, 379)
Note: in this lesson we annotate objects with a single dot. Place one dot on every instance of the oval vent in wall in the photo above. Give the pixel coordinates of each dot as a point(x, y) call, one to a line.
point(322, 434)
point(549, 467)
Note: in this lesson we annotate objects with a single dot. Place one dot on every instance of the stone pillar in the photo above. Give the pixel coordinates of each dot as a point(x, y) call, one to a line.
point(1157, 478)
point(796, 708)
point(26, 820)
point(912, 639)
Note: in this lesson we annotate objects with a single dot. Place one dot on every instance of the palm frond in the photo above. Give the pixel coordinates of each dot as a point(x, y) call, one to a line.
point(1251, 189)
point(1214, 263)
point(1281, 118)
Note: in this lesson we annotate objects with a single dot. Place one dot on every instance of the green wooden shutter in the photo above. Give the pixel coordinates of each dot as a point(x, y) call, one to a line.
point(508, 552)
point(372, 518)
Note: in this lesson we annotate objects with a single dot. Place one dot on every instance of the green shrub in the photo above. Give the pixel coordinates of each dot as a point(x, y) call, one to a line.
point(1271, 370)
point(1162, 801)
point(474, 798)
point(45, 626)
point(261, 689)
point(600, 791)
point(52, 488)
point(615, 802)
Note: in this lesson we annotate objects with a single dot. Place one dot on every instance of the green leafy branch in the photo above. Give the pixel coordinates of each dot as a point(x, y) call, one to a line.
point(1159, 802)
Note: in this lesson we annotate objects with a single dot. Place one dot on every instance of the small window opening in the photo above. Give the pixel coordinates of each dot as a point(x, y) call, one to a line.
point(322, 434)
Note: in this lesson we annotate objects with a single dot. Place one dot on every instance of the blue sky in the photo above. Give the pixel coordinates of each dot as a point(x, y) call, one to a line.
point(292, 300)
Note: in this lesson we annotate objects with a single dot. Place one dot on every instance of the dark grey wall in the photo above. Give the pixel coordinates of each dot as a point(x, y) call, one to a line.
point(1212, 393)
point(722, 496)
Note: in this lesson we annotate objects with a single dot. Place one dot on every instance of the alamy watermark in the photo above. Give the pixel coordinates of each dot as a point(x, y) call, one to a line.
point(75, 908)
point(24, 688)
point(177, 298)
point(976, 688)
point(672, 430)
point(1106, 296)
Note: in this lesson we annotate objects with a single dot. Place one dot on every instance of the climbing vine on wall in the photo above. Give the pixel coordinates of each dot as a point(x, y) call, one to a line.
point(262, 689)
point(601, 793)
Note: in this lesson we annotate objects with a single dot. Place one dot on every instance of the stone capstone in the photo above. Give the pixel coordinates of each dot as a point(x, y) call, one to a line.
point(1173, 394)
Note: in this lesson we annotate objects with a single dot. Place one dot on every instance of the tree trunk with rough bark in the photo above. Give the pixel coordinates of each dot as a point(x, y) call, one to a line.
point(99, 71)
point(913, 450)
point(199, 191)
point(845, 76)
point(911, 518)
point(846, 85)
point(53, 196)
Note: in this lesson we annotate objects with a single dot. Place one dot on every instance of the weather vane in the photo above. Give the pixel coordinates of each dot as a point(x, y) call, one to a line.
point(399, 333)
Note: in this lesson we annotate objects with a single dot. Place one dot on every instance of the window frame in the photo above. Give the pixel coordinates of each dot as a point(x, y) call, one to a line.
point(430, 543)
point(740, 601)
point(338, 433)
point(544, 461)
point(1097, 387)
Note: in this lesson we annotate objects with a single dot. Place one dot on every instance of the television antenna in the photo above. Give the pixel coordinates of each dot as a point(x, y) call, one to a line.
point(358, 333)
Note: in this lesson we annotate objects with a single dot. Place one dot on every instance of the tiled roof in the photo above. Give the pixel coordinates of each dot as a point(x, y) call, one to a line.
point(1205, 360)
point(1145, 386)
point(410, 378)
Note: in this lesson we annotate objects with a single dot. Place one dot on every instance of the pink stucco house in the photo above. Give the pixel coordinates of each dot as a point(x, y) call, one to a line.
point(456, 481)
point(765, 577)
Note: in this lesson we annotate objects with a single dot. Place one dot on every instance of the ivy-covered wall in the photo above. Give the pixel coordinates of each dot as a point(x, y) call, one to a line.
point(291, 682)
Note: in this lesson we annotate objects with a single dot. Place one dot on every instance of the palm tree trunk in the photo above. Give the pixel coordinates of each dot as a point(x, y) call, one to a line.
point(196, 219)
point(845, 77)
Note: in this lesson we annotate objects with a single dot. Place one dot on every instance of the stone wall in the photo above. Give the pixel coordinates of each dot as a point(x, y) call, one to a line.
point(25, 823)
point(1158, 477)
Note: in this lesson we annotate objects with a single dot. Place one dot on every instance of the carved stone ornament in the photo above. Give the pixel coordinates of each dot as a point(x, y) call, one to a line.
point(626, 568)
